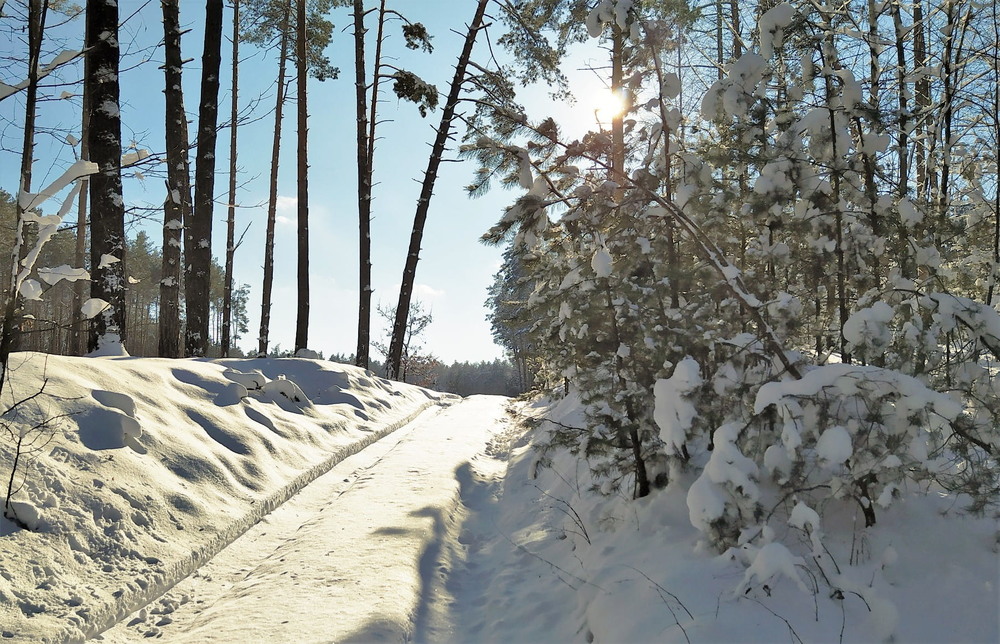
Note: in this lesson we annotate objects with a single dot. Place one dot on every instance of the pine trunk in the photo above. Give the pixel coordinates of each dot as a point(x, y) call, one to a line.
point(302, 316)
point(426, 192)
point(107, 211)
point(361, 355)
point(177, 206)
point(272, 202)
point(78, 344)
point(11, 313)
point(198, 237)
point(227, 289)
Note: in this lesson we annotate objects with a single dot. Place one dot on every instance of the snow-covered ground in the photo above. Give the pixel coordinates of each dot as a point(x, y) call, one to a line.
point(175, 504)
point(361, 554)
point(152, 466)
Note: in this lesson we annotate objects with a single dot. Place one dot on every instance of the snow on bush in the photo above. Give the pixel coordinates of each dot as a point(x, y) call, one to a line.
point(673, 412)
point(725, 497)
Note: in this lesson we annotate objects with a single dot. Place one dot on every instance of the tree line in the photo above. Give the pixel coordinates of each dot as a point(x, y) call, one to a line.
point(297, 31)
point(48, 325)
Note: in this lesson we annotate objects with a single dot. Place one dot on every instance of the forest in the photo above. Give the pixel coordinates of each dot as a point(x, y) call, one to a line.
point(779, 253)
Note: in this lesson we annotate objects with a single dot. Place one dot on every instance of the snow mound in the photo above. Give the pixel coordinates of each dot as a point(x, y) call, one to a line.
point(151, 466)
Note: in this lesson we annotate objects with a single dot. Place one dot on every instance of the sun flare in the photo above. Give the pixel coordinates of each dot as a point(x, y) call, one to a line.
point(606, 105)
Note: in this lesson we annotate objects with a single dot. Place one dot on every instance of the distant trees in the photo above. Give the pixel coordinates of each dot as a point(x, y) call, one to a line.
point(411, 355)
point(48, 325)
point(510, 318)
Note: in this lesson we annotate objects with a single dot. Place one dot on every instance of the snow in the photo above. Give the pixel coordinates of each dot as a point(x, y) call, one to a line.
point(109, 345)
point(834, 446)
point(152, 472)
point(30, 290)
point(107, 260)
point(771, 27)
point(183, 502)
point(92, 307)
point(868, 327)
point(671, 88)
point(601, 262)
point(64, 272)
point(673, 412)
point(772, 561)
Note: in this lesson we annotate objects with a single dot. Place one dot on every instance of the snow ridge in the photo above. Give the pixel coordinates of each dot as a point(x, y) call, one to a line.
point(132, 599)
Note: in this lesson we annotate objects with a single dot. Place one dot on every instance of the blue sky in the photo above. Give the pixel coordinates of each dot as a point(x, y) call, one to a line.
point(455, 269)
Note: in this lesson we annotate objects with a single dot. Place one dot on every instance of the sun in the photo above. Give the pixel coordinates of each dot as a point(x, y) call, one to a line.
point(605, 105)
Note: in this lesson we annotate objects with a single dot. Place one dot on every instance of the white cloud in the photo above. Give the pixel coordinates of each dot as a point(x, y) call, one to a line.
point(287, 210)
point(423, 292)
point(286, 204)
point(426, 292)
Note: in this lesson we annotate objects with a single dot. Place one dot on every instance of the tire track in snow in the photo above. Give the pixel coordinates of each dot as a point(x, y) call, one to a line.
point(132, 600)
point(361, 555)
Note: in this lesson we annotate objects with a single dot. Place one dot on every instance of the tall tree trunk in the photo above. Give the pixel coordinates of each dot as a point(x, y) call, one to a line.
point(272, 202)
point(734, 19)
point(11, 314)
point(107, 210)
point(902, 141)
point(227, 288)
point(361, 354)
point(995, 268)
point(177, 206)
point(922, 98)
point(302, 316)
point(78, 344)
point(618, 122)
point(198, 238)
point(427, 191)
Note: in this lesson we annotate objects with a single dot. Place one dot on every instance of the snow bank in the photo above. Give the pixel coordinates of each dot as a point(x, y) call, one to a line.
point(157, 465)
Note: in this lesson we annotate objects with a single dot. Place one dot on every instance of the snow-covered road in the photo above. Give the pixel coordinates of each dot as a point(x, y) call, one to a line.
point(360, 554)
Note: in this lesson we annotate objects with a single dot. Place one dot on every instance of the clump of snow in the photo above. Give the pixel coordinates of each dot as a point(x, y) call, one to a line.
point(30, 290)
point(254, 380)
point(728, 477)
point(731, 96)
point(834, 446)
point(774, 561)
point(109, 345)
point(673, 412)
point(93, 306)
point(771, 27)
point(26, 513)
point(601, 262)
point(868, 328)
point(64, 272)
point(671, 88)
point(107, 260)
point(308, 354)
point(281, 386)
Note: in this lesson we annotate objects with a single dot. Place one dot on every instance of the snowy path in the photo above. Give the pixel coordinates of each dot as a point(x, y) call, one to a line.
point(360, 554)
